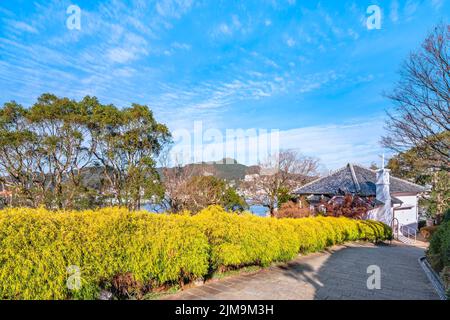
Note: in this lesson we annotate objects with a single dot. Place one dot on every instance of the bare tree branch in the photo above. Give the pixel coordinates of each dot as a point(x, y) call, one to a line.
point(420, 118)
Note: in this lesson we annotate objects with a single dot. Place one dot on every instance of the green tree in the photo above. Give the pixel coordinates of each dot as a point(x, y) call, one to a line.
point(233, 201)
point(48, 153)
point(410, 165)
point(19, 161)
point(439, 200)
point(284, 196)
point(126, 142)
point(59, 125)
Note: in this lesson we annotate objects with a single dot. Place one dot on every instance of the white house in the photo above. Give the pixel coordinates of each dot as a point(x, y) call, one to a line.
point(396, 199)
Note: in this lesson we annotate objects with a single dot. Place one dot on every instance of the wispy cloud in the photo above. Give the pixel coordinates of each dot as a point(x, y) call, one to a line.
point(228, 28)
point(173, 8)
point(290, 42)
point(337, 144)
point(410, 9)
point(120, 55)
point(267, 63)
point(394, 11)
point(316, 81)
point(182, 46)
point(22, 26)
point(209, 96)
point(437, 4)
point(334, 145)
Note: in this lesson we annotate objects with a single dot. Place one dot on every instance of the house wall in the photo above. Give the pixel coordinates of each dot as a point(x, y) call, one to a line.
point(408, 217)
point(376, 214)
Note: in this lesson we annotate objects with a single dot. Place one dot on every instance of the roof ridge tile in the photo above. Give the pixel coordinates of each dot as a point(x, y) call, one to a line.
point(321, 178)
point(349, 176)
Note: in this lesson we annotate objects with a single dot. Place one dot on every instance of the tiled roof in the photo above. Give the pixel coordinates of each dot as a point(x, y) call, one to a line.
point(355, 179)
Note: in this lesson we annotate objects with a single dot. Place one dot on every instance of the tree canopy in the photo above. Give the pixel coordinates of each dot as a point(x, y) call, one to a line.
point(48, 151)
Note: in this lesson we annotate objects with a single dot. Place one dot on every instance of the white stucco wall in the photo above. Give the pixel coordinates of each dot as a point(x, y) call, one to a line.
point(408, 217)
point(378, 214)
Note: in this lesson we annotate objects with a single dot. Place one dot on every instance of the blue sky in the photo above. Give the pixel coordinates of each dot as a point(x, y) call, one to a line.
point(310, 69)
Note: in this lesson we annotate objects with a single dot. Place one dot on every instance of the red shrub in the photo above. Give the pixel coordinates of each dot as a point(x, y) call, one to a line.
point(347, 206)
point(292, 210)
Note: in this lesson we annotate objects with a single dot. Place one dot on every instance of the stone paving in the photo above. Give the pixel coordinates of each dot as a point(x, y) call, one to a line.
point(338, 274)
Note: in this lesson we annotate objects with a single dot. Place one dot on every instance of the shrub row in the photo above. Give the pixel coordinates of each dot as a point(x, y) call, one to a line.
point(37, 247)
point(439, 252)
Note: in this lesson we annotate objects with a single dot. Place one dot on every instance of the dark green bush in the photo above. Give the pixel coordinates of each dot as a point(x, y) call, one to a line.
point(446, 216)
point(439, 252)
point(421, 224)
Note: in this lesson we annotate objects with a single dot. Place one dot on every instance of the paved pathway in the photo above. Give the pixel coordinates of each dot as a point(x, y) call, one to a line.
point(339, 273)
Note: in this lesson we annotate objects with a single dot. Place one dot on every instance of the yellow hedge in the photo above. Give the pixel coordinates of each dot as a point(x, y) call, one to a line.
point(37, 246)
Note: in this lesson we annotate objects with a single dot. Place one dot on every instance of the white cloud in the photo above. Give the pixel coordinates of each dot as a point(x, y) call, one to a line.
point(181, 46)
point(394, 11)
point(334, 144)
point(225, 29)
point(174, 46)
point(290, 42)
point(209, 100)
point(124, 72)
point(352, 33)
point(410, 8)
point(120, 55)
point(173, 8)
point(22, 26)
point(316, 81)
point(236, 23)
point(331, 22)
point(126, 47)
point(437, 4)
point(228, 29)
point(337, 144)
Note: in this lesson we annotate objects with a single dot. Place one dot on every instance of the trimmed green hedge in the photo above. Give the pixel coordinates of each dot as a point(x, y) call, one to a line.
point(37, 246)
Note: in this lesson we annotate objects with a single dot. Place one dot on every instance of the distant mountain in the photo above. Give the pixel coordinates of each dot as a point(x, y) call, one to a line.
point(227, 169)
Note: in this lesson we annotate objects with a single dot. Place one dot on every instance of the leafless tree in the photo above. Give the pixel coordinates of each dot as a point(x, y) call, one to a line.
point(183, 191)
point(279, 176)
point(203, 191)
point(175, 181)
point(420, 119)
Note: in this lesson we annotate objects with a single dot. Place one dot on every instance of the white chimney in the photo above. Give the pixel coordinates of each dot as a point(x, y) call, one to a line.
point(384, 195)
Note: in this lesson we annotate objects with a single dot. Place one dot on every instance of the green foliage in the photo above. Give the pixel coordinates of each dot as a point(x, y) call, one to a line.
point(438, 253)
point(47, 152)
point(232, 201)
point(439, 250)
point(439, 199)
point(411, 166)
point(242, 240)
point(199, 192)
point(37, 246)
point(415, 166)
point(127, 252)
point(447, 216)
point(284, 196)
